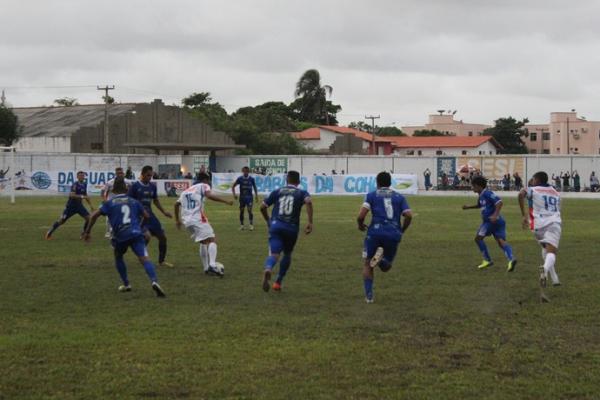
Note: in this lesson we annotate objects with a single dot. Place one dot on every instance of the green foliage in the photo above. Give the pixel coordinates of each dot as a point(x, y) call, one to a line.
point(508, 133)
point(311, 102)
point(430, 132)
point(108, 99)
point(439, 329)
point(379, 130)
point(10, 130)
point(66, 102)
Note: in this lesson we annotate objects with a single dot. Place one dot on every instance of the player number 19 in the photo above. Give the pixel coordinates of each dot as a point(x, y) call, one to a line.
point(551, 203)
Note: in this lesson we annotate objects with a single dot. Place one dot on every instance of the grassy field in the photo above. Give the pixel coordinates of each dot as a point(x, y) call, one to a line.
point(440, 329)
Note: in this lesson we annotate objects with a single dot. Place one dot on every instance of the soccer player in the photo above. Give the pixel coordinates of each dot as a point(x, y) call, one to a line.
point(284, 226)
point(74, 205)
point(125, 215)
point(107, 193)
point(493, 223)
point(191, 207)
point(544, 220)
point(146, 193)
point(246, 183)
point(391, 217)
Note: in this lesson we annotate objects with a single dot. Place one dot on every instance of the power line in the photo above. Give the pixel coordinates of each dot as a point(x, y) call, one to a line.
point(48, 87)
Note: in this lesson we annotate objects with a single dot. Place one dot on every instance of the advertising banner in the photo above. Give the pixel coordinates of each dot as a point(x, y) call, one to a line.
point(269, 165)
point(493, 168)
point(320, 184)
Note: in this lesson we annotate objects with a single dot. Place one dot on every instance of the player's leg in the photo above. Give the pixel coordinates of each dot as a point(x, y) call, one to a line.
point(67, 213)
point(250, 215)
point(275, 249)
point(390, 248)
point(286, 260)
point(156, 229)
point(242, 206)
point(550, 262)
point(119, 251)
point(138, 246)
point(499, 233)
point(549, 238)
point(371, 245)
point(83, 212)
point(481, 234)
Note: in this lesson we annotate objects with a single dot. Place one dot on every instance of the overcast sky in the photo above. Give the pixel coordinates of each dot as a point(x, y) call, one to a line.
point(400, 59)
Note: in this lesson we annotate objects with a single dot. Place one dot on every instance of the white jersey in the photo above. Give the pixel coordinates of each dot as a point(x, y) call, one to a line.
point(544, 206)
point(192, 204)
point(108, 188)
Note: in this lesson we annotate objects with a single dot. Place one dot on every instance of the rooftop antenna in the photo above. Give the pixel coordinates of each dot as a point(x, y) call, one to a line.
point(454, 112)
point(441, 112)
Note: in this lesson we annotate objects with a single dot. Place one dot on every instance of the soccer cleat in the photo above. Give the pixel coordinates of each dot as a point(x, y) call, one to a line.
point(556, 284)
point(511, 265)
point(125, 288)
point(242, 228)
point(251, 227)
point(369, 300)
point(159, 292)
point(266, 278)
point(166, 264)
point(543, 278)
point(485, 264)
point(376, 257)
point(108, 235)
point(277, 286)
point(48, 236)
point(214, 272)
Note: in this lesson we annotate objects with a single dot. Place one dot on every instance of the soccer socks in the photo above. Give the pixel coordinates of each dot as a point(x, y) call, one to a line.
point(251, 217)
point(508, 251)
point(368, 282)
point(150, 270)
point(242, 217)
point(122, 269)
point(54, 227)
point(85, 225)
point(284, 265)
point(484, 250)
point(204, 256)
point(549, 267)
point(270, 262)
point(162, 250)
point(212, 254)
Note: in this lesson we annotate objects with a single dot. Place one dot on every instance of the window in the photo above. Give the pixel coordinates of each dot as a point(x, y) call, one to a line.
point(439, 152)
point(533, 136)
point(558, 131)
point(97, 146)
point(470, 133)
point(481, 152)
point(464, 152)
point(419, 152)
point(533, 151)
point(410, 152)
point(545, 135)
point(546, 151)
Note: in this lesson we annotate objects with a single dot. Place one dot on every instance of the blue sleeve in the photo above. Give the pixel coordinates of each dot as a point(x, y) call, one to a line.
point(154, 191)
point(139, 209)
point(237, 181)
point(74, 188)
point(493, 198)
point(305, 195)
point(131, 191)
point(104, 210)
point(403, 205)
point(272, 197)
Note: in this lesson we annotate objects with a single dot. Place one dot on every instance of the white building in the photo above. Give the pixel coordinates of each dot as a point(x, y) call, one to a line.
point(322, 137)
point(438, 145)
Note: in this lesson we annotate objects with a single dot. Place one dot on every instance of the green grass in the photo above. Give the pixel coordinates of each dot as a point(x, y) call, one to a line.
point(439, 328)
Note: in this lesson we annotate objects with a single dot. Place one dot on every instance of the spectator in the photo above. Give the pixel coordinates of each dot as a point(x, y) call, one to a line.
point(518, 182)
point(333, 172)
point(456, 181)
point(566, 181)
point(506, 182)
point(445, 181)
point(576, 181)
point(343, 172)
point(594, 183)
point(129, 173)
point(188, 175)
point(155, 175)
point(427, 175)
point(3, 173)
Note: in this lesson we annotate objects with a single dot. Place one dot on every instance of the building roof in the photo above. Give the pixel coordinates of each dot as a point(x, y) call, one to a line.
point(185, 146)
point(439, 141)
point(65, 121)
point(315, 132)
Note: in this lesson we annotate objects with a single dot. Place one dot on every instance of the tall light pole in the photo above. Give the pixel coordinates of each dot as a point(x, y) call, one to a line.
point(372, 118)
point(106, 136)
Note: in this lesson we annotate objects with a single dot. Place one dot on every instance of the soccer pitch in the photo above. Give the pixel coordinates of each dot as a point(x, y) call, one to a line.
point(439, 328)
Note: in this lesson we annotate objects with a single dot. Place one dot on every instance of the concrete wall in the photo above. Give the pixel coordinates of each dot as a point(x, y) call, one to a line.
point(485, 149)
point(44, 144)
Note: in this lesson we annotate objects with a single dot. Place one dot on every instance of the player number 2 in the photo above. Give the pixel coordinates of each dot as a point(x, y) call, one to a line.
point(126, 211)
point(389, 210)
point(286, 205)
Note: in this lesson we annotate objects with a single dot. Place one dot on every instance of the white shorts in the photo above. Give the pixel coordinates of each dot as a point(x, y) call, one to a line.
point(549, 234)
point(200, 232)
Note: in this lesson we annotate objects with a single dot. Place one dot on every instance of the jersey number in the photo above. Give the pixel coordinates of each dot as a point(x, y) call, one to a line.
point(551, 203)
point(126, 211)
point(389, 210)
point(286, 205)
point(191, 203)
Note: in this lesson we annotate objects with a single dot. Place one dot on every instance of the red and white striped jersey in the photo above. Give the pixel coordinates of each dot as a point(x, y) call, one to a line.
point(192, 204)
point(544, 206)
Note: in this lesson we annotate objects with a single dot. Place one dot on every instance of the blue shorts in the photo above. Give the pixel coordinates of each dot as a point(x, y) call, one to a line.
point(137, 244)
point(246, 201)
point(388, 240)
point(153, 226)
point(71, 210)
point(282, 238)
point(496, 229)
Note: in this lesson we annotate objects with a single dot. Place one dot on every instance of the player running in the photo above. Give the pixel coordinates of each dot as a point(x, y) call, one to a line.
point(191, 207)
point(493, 223)
point(146, 193)
point(247, 183)
point(74, 205)
point(283, 226)
point(385, 230)
point(107, 193)
point(125, 215)
point(544, 220)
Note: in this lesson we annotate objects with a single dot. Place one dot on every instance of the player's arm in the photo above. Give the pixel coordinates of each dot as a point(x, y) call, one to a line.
point(160, 207)
point(309, 214)
point(176, 210)
point(233, 189)
point(255, 189)
point(211, 196)
point(87, 198)
point(264, 210)
point(93, 218)
point(524, 214)
point(406, 220)
point(362, 214)
point(496, 214)
point(465, 207)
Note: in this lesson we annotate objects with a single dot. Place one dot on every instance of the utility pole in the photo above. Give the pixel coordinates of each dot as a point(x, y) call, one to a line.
point(2, 98)
point(372, 118)
point(106, 137)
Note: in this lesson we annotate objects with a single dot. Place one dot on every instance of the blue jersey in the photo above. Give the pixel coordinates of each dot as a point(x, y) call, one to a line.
point(487, 202)
point(288, 202)
point(386, 207)
point(80, 189)
point(125, 216)
point(246, 183)
point(144, 193)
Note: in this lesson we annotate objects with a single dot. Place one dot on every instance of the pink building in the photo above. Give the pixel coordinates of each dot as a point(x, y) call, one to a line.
point(447, 124)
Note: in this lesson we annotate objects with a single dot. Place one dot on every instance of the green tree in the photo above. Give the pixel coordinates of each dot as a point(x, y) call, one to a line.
point(108, 99)
point(66, 102)
point(430, 132)
point(311, 102)
point(508, 133)
point(10, 130)
point(213, 113)
point(379, 130)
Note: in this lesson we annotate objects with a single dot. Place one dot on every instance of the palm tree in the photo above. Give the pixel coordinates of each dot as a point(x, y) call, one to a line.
point(313, 96)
